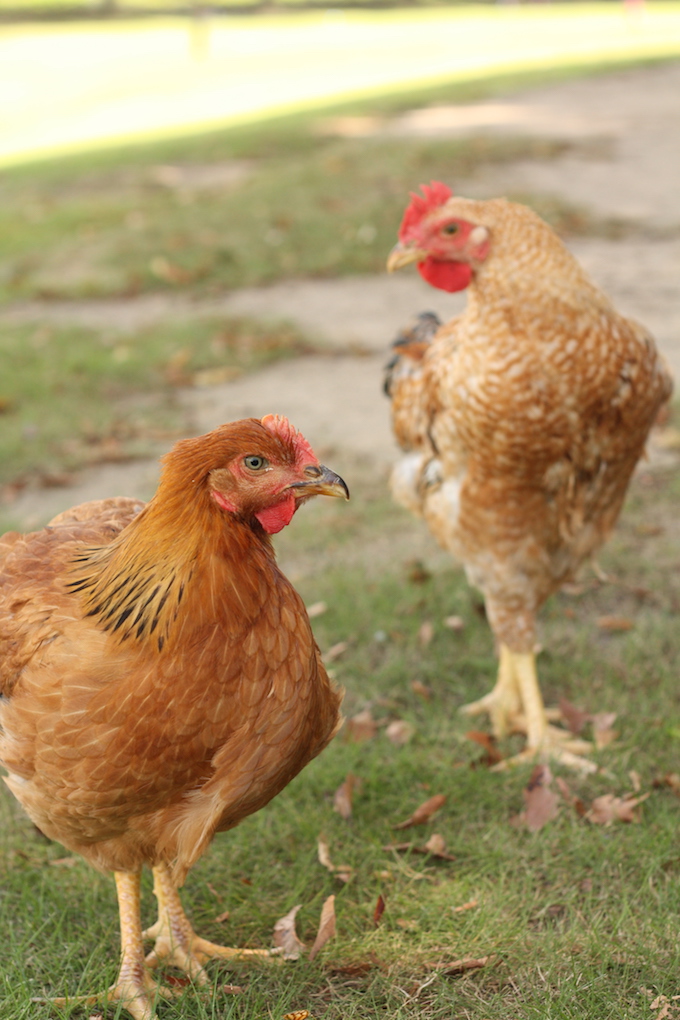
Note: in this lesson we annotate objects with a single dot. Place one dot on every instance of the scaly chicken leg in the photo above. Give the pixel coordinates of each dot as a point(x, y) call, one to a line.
point(176, 942)
point(135, 988)
point(516, 705)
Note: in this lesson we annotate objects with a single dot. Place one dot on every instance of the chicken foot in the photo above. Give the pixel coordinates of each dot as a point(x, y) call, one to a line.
point(176, 942)
point(516, 705)
point(135, 987)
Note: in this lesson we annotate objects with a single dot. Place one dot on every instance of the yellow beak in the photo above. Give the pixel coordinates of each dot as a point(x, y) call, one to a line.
point(403, 255)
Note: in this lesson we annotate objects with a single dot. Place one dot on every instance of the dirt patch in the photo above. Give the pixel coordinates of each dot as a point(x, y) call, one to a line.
point(336, 399)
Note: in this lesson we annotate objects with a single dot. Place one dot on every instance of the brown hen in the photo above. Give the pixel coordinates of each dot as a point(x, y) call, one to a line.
point(522, 421)
point(158, 673)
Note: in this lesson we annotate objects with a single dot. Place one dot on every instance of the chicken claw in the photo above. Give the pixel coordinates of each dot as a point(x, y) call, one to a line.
point(515, 705)
point(135, 987)
point(177, 945)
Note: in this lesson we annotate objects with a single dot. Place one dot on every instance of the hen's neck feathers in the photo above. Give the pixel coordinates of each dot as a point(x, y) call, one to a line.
point(528, 263)
point(182, 557)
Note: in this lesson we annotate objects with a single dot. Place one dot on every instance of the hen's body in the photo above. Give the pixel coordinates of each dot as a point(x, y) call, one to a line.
point(159, 677)
point(524, 419)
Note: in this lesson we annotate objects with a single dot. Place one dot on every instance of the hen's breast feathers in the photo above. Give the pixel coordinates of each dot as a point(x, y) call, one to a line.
point(109, 742)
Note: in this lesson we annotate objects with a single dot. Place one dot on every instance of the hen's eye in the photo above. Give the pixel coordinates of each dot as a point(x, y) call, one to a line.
point(255, 463)
point(450, 228)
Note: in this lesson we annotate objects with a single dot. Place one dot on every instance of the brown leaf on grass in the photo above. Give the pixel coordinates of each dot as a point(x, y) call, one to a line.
point(421, 689)
point(615, 623)
point(571, 798)
point(64, 862)
point(379, 910)
point(299, 1014)
point(232, 989)
point(424, 812)
point(671, 780)
point(326, 927)
point(574, 717)
point(400, 732)
point(403, 848)
point(470, 905)
point(335, 651)
point(342, 871)
point(361, 727)
point(488, 742)
point(436, 844)
point(425, 633)
point(316, 609)
point(286, 938)
point(342, 798)
point(635, 780)
point(603, 734)
point(540, 802)
point(454, 622)
point(222, 917)
point(417, 572)
point(458, 967)
point(608, 809)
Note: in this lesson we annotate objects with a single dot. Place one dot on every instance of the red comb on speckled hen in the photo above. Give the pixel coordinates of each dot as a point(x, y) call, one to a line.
point(159, 679)
point(522, 420)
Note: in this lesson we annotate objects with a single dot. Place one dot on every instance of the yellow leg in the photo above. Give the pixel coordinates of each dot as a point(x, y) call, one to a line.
point(503, 703)
point(543, 740)
point(516, 705)
point(176, 942)
point(135, 988)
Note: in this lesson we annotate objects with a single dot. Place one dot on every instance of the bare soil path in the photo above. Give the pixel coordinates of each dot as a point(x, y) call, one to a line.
point(631, 172)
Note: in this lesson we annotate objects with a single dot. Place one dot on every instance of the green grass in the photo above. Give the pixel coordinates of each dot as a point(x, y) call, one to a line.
point(70, 397)
point(581, 920)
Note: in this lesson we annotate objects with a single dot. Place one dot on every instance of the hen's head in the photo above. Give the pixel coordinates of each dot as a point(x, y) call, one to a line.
point(447, 247)
point(255, 470)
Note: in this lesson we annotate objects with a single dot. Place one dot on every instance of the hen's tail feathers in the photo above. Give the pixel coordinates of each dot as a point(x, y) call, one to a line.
point(411, 342)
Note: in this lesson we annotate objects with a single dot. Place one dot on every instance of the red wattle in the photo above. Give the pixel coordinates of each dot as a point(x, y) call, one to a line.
point(274, 518)
point(449, 276)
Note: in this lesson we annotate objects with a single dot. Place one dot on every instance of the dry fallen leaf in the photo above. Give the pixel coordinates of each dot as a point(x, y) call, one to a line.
point(614, 623)
point(461, 966)
point(488, 742)
point(470, 905)
point(342, 798)
point(400, 732)
point(286, 938)
point(316, 609)
point(454, 622)
point(335, 651)
point(603, 734)
point(540, 802)
point(423, 812)
point(342, 871)
point(421, 689)
point(232, 989)
point(222, 917)
point(425, 633)
point(571, 799)
point(671, 780)
point(64, 862)
point(435, 844)
point(361, 727)
point(574, 717)
point(326, 927)
point(608, 808)
point(379, 910)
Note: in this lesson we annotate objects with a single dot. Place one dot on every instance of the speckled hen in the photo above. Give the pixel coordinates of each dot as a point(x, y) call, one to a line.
point(159, 680)
point(522, 421)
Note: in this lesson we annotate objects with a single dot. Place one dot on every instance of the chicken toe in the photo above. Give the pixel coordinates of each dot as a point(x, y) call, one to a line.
point(176, 943)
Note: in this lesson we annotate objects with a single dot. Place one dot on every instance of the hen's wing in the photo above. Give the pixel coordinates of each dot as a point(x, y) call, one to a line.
point(34, 603)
